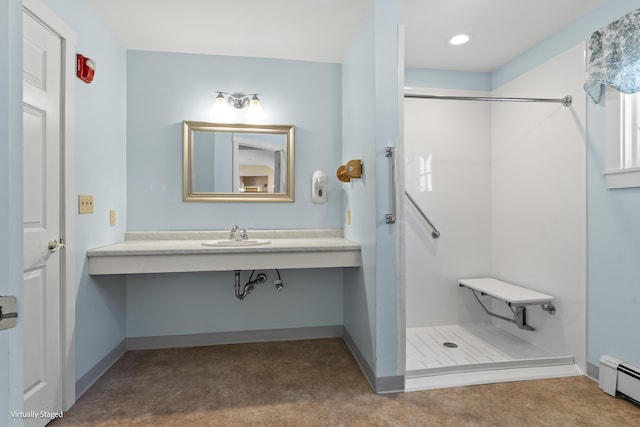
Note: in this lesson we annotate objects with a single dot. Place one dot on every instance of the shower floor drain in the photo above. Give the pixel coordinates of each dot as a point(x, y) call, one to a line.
point(450, 344)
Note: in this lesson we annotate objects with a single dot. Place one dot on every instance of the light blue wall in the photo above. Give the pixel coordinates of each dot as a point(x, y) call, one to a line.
point(358, 134)
point(613, 252)
point(167, 88)
point(100, 151)
point(370, 123)
point(193, 303)
point(11, 341)
point(387, 92)
point(164, 90)
point(613, 239)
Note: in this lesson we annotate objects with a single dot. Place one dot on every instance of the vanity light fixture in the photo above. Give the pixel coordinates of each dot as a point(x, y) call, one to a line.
point(238, 100)
point(225, 102)
point(459, 39)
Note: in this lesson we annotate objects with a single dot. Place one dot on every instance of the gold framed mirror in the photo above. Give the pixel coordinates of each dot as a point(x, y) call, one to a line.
point(237, 162)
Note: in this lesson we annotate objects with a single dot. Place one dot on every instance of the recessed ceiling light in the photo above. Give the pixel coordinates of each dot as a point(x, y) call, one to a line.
point(459, 39)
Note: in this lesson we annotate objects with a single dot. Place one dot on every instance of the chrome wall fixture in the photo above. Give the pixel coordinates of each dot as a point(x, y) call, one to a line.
point(227, 102)
point(237, 100)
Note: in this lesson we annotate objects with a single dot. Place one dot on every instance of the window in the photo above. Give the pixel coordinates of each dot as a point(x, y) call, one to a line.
point(629, 152)
point(622, 155)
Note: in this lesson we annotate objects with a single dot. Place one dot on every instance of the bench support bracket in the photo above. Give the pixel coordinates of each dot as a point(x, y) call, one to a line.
point(519, 311)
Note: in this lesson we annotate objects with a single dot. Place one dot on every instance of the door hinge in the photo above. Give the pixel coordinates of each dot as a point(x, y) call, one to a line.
point(8, 312)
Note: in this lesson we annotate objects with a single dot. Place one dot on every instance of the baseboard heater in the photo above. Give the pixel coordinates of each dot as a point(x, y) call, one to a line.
point(619, 379)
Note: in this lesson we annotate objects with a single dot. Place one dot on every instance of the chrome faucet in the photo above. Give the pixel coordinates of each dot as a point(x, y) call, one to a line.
point(233, 234)
point(237, 234)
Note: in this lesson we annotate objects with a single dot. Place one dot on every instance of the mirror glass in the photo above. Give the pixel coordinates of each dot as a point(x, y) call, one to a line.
point(237, 162)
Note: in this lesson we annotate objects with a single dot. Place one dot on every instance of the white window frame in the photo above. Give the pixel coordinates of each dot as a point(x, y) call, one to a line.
point(622, 141)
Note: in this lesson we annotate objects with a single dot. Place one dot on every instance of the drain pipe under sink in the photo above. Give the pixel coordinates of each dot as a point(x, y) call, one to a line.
point(249, 286)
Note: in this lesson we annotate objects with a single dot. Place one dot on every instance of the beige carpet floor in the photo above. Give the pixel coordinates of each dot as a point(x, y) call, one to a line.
point(318, 383)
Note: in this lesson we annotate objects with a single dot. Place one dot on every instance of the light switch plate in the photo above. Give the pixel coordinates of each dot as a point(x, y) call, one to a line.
point(112, 218)
point(85, 204)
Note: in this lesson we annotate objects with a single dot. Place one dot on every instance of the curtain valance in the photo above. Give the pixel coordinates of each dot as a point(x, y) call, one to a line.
point(614, 57)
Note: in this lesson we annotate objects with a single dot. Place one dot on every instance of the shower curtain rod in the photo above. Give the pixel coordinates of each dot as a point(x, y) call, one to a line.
point(566, 101)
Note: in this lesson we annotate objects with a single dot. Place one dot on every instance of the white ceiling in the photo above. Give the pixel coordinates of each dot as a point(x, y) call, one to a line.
point(321, 30)
point(500, 29)
point(313, 30)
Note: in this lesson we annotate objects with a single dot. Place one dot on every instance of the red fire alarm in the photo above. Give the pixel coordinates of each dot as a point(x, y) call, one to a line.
point(85, 68)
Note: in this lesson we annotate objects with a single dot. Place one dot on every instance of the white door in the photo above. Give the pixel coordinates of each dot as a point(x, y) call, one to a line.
point(42, 80)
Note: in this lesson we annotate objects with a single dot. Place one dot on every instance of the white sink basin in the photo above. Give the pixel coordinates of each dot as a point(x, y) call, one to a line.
point(225, 242)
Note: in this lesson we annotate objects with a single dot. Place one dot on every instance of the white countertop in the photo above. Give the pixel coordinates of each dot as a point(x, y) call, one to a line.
point(181, 246)
point(183, 251)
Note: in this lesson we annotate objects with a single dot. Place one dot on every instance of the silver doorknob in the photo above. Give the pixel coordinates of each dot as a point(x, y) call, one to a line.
point(55, 246)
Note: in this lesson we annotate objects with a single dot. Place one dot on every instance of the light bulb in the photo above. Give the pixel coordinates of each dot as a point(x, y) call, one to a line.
point(220, 109)
point(255, 108)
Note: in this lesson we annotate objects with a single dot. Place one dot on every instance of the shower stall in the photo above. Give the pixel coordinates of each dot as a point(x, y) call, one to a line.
point(495, 190)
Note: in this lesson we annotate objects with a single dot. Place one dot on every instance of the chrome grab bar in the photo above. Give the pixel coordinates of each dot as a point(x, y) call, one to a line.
point(389, 152)
point(434, 233)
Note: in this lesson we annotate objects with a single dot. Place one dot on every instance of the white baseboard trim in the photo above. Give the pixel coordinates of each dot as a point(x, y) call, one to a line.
point(490, 376)
point(87, 380)
point(235, 337)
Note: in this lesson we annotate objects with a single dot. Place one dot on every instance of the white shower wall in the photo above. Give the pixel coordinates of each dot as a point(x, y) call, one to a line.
point(506, 186)
point(448, 173)
point(539, 199)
